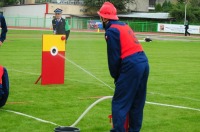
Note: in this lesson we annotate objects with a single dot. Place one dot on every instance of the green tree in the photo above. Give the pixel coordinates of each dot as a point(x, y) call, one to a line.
point(181, 1)
point(167, 6)
point(178, 11)
point(94, 5)
point(8, 2)
point(158, 7)
point(1, 4)
point(195, 3)
point(193, 11)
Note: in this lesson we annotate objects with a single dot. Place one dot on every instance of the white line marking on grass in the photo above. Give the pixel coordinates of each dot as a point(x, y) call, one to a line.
point(31, 73)
point(29, 116)
point(174, 106)
point(165, 35)
point(75, 80)
point(86, 71)
point(40, 29)
point(24, 72)
point(141, 40)
point(174, 96)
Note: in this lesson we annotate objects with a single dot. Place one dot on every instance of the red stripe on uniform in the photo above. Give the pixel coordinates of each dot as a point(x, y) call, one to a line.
point(1, 74)
point(128, 41)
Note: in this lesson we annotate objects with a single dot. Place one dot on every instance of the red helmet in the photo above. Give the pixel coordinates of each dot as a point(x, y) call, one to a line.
point(108, 11)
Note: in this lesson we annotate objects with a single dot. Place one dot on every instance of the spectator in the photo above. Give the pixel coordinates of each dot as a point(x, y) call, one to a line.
point(67, 28)
point(4, 29)
point(60, 25)
point(186, 28)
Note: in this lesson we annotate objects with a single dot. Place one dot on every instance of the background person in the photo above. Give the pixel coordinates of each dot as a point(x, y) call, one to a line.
point(4, 86)
point(67, 28)
point(129, 67)
point(60, 25)
point(186, 28)
point(3, 29)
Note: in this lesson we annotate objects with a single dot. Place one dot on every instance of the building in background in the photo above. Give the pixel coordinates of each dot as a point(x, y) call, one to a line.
point(135, 6)
point(39, 13)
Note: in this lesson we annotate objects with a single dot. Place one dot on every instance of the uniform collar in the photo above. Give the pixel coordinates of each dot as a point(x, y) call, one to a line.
point(58, 19)
point(110, 23)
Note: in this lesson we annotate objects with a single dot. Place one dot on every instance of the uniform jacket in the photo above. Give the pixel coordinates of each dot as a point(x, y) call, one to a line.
point(4, 83)
point(4, 86)
point(187, 26)
point(3, 27)
point(59, 27)
point(122, 46)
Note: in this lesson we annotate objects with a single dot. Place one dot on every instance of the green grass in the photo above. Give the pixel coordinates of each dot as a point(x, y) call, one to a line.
point(174, 79)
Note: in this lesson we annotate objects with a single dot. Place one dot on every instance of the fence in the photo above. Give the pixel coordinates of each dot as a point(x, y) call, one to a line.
point(143, 26)
point(75, 23)
point(28, 22)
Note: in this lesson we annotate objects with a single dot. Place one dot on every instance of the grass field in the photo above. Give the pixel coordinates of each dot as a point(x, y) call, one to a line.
point(174, 80)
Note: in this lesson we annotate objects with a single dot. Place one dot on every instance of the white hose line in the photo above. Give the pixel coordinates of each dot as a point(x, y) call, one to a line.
point(110, 97)
point(174, 106)
point(90, 107)
point(29, 116)
point(86, 71)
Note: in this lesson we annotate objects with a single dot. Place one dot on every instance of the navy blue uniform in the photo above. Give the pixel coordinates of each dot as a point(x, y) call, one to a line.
point(129, 67)
point(59, 26)
point(3, 27)
point(4, 86)
point(186, 28)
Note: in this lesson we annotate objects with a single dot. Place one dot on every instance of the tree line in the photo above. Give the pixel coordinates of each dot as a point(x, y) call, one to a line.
point(177, 11)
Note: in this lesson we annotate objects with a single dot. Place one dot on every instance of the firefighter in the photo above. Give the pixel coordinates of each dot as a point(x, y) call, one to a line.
point(60, 25)
point(4, 29)
point(129, 67)
point(4, 86)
